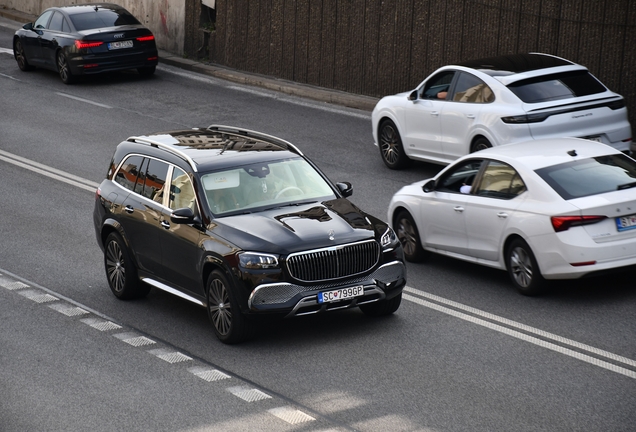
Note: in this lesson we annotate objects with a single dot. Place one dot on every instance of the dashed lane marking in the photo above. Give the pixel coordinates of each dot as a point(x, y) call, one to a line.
point(170, 356)
point(291, 415)
point(208, 374)
point(248, 394)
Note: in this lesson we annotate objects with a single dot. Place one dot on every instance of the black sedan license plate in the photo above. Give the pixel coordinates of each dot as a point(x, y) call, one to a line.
point(120, 44)
point(626, 222)
point(340, 294)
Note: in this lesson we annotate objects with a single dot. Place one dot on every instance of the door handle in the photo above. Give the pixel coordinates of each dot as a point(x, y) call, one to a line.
point(434, 113)
point(458, 209)
point(129, 209)
point(470, 116)
point(502, 215)
point(165, 224)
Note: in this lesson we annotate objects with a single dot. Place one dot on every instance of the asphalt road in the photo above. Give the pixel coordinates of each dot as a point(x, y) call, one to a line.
point(463, 353)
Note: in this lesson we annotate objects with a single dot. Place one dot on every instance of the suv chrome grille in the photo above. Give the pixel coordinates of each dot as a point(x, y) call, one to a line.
point(334, 262)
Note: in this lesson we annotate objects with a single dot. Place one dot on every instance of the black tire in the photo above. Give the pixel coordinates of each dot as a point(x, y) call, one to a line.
point(121, 271)
point(146, 71)
point(383, 307)
point(480, 143)
point(409, 236)
point(20, 57)
point(229, 323)
point(63, 69)
point(391, 148)
point(523, 269)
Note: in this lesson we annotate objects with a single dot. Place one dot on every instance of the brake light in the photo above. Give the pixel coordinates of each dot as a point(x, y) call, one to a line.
point(145, 38)
point(528, 118)
point(80, 44)
point(564, 223)
point(152, 58)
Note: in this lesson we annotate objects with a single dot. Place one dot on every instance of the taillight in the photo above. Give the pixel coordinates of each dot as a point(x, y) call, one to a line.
point(564, 223)
point(80, 44)
point(528, 118)
point(145, 38)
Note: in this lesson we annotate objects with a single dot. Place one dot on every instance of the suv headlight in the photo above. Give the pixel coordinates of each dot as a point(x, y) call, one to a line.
point(258, 261)
point(388, 238)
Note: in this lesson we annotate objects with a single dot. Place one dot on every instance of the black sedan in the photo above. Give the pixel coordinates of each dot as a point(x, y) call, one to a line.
point(86, 39)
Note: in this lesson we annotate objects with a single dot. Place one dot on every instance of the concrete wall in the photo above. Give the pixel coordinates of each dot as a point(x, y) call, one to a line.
point(165, 18)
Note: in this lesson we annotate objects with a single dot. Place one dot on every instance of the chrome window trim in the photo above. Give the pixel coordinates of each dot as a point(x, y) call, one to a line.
point(166, 147)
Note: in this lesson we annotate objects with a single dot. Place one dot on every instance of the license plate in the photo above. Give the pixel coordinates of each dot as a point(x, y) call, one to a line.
point(624, 223)
point(120, 45)
point(596, 138)
point(340, 294)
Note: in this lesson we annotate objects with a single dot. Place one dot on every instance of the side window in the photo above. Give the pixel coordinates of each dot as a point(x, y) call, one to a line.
point(56, 22)
point(471, 89)
point(42, 21)
point(127, 174)
point(500, 181)
point(437, 86)
point(460, 179)
point(155, 180)
point(181, 191)
point(65, 27)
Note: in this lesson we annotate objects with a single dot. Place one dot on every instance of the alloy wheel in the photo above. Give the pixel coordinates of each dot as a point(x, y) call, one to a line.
point(219, 306)
point(19, 54)
point(389, 144)
point(408, 236)
point(115, 270)
point(521, 266)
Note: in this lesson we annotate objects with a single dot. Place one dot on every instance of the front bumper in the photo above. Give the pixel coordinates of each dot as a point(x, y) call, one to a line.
point(386, 282)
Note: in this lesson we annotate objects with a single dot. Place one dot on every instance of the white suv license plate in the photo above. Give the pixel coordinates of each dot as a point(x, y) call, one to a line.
point(340, 294)
point(120, 45)
point(624, 223)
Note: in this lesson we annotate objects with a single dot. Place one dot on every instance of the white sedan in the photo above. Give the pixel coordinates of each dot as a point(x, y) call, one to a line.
point(490, 102)
point(546, 209)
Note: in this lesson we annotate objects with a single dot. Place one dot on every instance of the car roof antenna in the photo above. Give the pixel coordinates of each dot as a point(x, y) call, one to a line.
point(572, 153)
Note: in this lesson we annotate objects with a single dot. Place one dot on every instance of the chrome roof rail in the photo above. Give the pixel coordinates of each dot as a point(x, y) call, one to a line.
point(167, 147)
point(254, 134)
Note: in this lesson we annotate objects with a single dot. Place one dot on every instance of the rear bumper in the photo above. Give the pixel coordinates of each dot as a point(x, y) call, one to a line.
point(94, 64)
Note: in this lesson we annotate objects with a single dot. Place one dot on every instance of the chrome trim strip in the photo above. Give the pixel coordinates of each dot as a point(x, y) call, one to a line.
point(329, 248)
point(171, 290)
point(166, 147)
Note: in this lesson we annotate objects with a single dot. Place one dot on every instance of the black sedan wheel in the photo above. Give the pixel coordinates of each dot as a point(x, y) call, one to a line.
point(20, 57)
point(230, 325)
point(409, 237)
point(64, 69)
point(121, 271)
point(391, 147)
point(523, 269)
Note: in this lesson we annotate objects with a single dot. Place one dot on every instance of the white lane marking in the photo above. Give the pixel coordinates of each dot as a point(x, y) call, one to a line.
point(10, 77)
point(83, 100)
point(524, 337)
point(6, 50)
point(248, 394)
point(273, 94)
point(525, 328)
point(48, 171)
point(291, 415)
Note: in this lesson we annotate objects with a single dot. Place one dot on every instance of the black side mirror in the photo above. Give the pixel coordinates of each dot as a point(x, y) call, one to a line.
point(413, 95)
point(28, 26)
point(182, 216)
point(429, 186)
point(345, 188)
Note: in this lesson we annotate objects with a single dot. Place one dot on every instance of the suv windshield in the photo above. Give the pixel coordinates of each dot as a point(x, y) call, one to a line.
point(556, 86)
point(263, 185)
point(102, 18)
point(591, 176)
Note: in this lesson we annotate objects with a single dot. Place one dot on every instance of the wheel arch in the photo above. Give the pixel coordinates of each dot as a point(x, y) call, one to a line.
point(512, 237)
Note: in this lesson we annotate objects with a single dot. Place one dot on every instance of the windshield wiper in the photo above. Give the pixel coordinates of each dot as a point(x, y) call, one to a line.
point(626, 186)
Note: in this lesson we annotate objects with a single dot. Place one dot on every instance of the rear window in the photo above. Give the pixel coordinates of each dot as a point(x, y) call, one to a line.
point(591, 176)
point(102, 18)
point(556, 86)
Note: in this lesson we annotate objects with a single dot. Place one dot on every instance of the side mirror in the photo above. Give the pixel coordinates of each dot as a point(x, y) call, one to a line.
point(429, 186)
point(413, 95)
point(345, 188)
point(182, 216)
point(28, 26)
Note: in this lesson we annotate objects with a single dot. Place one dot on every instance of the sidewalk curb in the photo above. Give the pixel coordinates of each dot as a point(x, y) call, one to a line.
point(321, 94)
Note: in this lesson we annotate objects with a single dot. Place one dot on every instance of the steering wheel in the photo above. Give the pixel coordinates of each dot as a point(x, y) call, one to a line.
point(288, 188)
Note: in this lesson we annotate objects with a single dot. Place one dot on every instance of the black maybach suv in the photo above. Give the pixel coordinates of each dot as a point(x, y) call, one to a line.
point(243, 224)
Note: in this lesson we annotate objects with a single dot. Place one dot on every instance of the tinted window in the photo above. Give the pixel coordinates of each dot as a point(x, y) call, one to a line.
point(127, 174)
point(155, 179)
point(102, 18)
point(181, 191)
point(471, 89)
point(56, 22)
point(556, 86)
point(591, 176)
point(460, 178)
point(65, 26)
point(43, 20)
point(438, 86)
point(500, 180)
